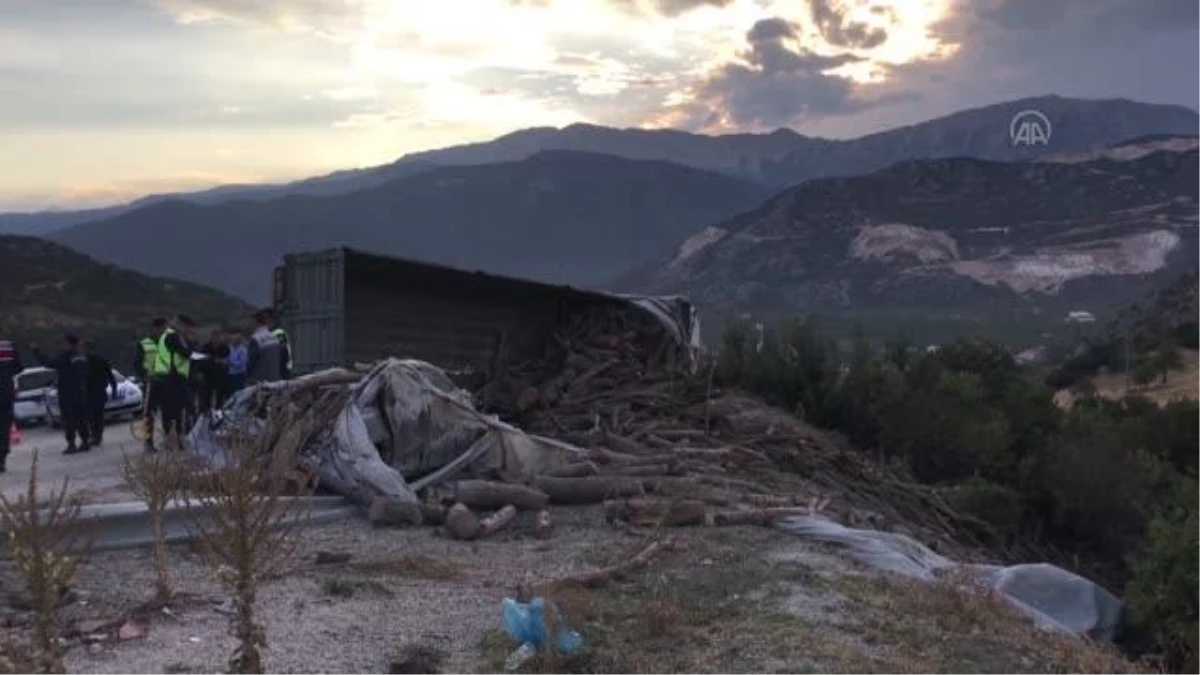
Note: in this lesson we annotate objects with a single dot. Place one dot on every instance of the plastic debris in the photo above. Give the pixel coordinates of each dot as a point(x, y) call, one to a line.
point(525, 623)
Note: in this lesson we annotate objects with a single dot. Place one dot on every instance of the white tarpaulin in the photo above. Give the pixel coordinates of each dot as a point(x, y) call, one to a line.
point(1053, 597)
point(404, 426)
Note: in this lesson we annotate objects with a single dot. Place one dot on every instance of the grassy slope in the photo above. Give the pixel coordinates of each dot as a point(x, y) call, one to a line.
point(1181, 384)
point(47, 290)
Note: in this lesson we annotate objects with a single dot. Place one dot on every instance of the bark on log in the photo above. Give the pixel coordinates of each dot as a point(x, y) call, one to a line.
point(575, 470)
point(385, 512)
point(638, 470)
point(461, 523)
point(589, 490)
point(482, 494)
point(656, 512)
point(433, 514)
point(755, 516)
point(605, 575)
point(497, 521)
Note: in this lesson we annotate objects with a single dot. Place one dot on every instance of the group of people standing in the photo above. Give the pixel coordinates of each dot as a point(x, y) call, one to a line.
point(181, 377)
point(184, 378)
point(84, 380)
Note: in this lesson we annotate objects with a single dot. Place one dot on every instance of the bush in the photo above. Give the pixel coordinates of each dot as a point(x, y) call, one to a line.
point(994, 504)
point(1163, 592)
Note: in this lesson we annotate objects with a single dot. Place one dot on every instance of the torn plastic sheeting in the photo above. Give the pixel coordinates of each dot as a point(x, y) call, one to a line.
point(403, 419)
point(676, 314)
point(421, 422)
point(1054, 598)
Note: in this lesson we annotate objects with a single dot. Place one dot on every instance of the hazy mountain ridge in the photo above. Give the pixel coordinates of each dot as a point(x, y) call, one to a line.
point(781, 158)
point(558, 216)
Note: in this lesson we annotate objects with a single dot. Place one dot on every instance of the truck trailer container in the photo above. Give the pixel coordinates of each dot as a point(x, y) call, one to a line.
point(343, 306)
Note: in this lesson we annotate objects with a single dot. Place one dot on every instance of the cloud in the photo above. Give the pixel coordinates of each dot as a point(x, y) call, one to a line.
point(669, 8)
point(840, 30)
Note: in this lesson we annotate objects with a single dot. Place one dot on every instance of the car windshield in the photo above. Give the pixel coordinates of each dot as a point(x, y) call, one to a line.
point(36, 380)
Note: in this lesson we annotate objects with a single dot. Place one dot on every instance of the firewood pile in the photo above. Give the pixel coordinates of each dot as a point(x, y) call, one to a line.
point(666, 446)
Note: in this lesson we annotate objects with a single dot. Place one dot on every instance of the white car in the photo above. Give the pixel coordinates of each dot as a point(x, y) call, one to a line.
point(33, 385)
point(127, 402)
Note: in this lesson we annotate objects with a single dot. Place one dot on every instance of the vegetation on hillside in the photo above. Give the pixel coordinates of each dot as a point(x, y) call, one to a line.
point(47, 290)
point(1106, 487)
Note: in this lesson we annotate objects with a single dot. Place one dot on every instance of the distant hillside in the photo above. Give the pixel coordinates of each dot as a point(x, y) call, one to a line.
point(781, 158)
point(47, 290)
point(563, 217)
point(949, 234)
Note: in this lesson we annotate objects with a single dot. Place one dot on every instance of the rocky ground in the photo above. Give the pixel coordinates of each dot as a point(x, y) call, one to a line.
point(731, 599)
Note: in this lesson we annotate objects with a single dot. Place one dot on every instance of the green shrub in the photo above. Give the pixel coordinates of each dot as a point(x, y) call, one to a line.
point(994, 504)
point(1163, 592)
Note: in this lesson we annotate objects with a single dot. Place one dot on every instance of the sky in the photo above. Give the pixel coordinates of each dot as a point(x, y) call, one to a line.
point(102, 101)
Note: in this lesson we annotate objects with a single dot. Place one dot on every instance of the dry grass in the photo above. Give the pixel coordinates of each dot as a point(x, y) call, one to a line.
point(954, 625)
point(156, 479)
point(1182, 384)
point(717, 605)
point(46, 546)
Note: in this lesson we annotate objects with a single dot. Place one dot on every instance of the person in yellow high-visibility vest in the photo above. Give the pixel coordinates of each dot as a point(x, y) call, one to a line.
point(172, 367)
point(143, 367)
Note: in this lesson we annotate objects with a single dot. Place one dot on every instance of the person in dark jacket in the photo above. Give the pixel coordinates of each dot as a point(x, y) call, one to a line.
point(71, 370)
point(216, 373)
point(101, 384)
point(265, 353)
point(10, 365)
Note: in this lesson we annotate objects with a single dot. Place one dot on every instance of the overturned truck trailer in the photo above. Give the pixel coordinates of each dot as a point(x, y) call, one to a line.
point(341, 307)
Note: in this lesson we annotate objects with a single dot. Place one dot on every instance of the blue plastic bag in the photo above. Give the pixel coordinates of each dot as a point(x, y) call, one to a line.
point(526, 624)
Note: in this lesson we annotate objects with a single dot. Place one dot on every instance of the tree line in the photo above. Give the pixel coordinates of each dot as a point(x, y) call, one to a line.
point(1105, 487)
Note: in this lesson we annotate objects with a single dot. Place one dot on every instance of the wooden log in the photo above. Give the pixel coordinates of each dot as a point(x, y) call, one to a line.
point(622, 444)
point(575, 470)
point(600, 577)
point(483, 494)
point(601, 455)
point(497, 521)
point(461, 523)
point(755, 516)
point(590, 489)
point(387, 512)
point(646, 512)
point(648, 470)
point(433, 514)
point(543, 527)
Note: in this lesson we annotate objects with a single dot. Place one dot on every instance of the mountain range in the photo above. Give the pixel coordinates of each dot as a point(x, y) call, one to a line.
point(952, 234)
point(585, 205)
point(779, 159)
point(557, 216)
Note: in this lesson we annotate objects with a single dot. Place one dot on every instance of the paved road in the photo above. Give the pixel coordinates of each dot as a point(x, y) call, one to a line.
point(97, 472)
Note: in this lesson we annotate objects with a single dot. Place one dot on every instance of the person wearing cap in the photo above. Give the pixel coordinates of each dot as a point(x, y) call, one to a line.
point(264, 354)
point(71, 371)
point(172, 368)
point(10, 365)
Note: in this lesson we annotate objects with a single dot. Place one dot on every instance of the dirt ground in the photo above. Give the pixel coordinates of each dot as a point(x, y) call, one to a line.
point(719, 599)
point(744, 599)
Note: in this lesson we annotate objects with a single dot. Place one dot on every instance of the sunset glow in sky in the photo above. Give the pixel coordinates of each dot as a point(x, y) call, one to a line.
point(107, 100)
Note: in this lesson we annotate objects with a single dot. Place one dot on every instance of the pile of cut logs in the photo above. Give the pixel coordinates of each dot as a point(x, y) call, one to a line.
point(666, 447)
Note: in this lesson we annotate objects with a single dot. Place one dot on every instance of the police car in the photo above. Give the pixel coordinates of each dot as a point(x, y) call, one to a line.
point(126, 403)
